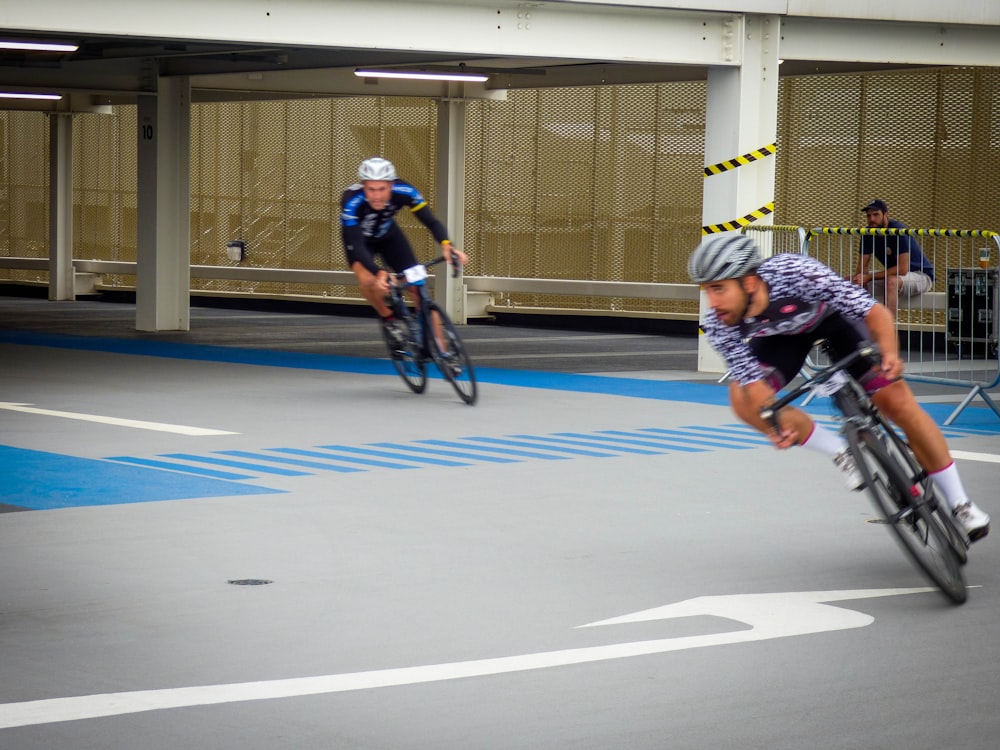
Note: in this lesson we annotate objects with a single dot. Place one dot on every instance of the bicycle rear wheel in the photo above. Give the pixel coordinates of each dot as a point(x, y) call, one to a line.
point(450, 356)
point(408, 361)
point(909, 512)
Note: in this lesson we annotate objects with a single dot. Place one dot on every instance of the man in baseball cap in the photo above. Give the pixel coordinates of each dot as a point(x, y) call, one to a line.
point(878, 205)
point(905, 269)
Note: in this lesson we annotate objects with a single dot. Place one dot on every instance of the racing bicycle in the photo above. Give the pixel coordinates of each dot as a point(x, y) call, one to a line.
point(899, 487)
point(430, 336)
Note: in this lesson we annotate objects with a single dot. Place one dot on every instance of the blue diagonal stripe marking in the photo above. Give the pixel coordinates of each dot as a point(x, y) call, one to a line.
point(291, 461)
point(687, 437)
point(179, 467)
point(529, 443)
point(367, 451)
point(237, 464)
point(350, 459)
point(741, 430)
point(628, 441)
point(455, 454)
point(502, 451)
point(597, 444)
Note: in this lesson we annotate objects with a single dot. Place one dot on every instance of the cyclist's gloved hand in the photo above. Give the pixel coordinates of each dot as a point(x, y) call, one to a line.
point(453, 255)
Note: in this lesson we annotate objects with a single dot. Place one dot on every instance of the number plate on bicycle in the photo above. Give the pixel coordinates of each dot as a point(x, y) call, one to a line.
point(836, 381)
point(415, 274)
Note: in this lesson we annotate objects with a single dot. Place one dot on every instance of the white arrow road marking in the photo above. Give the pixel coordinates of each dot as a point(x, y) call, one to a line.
point(769, 615)
point(988, 457)
point(178, 428)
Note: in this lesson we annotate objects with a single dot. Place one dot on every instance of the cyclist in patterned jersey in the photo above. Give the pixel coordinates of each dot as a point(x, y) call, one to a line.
point(766, 316)
point(368, 228)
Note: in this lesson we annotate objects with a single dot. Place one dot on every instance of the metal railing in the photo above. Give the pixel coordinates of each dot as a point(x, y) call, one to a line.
point(488, 284)
point(948, 334)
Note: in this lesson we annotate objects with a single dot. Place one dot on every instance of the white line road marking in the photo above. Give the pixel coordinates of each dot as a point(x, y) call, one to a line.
point(987, 457)
point(161, 427)
point(769, 615)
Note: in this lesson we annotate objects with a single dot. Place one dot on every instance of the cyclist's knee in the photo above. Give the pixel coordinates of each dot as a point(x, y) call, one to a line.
point(894, 398)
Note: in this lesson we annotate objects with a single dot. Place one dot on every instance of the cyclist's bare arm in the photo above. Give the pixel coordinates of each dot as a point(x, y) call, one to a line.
point(747, 402)
point(883, 332)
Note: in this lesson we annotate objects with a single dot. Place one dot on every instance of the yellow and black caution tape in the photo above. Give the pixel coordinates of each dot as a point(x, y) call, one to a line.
point(739, 161)
point(750, 218)
point(974, 233)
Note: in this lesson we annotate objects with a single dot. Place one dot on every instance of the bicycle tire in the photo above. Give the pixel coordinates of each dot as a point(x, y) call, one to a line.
point(452, 360)
point(916, 527)
point(408, 361)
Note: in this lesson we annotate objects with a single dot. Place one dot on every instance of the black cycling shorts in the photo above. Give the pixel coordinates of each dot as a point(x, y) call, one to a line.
point(394, 250)
point(783, 355)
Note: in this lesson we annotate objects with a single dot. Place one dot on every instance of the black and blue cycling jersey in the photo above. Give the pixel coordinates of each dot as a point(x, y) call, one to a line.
point(367, 231)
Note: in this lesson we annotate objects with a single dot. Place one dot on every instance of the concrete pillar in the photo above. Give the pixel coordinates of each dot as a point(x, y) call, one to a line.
point(741, 117)
point(163, 262)
point(61, 278)
point(448, 291)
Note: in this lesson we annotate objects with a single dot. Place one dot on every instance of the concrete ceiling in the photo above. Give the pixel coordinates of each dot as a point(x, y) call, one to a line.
point(113, 68)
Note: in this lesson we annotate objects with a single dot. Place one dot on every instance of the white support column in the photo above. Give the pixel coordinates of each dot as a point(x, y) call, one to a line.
point(163, 263)
point(741, 117)
point(61, 278)
point(450, 292)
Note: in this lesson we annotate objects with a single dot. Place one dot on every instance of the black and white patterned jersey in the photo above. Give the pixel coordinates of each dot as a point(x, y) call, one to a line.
point(793, 276)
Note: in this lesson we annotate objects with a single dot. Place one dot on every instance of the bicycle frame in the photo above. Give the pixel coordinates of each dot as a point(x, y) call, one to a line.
point(432, 336)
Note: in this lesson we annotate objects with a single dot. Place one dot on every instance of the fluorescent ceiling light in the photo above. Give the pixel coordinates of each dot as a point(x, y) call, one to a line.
point(38, 46)
point(22, 95)
point(423, 75)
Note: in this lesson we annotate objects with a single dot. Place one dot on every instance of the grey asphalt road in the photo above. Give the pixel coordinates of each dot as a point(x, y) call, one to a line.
point(594, 556)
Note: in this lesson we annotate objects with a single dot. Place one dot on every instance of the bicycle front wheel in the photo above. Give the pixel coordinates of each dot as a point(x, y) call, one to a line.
point(909, 513)
point(448, 353)
point(408, 361)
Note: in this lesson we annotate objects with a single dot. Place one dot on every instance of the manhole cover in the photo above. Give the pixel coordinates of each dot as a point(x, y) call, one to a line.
point(249, 581)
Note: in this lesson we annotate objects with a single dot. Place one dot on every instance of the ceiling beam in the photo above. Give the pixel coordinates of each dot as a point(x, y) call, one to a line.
point(473, 27)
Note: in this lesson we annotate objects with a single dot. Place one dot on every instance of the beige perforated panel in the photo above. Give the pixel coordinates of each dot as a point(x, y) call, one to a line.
point(24, 191)
point(927, 142)
point(272, 173)
point(598, 183)
point(105, 224)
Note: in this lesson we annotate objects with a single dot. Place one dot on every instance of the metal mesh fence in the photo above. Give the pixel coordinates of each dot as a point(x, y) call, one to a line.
point(923, 141)
point(596, 183)
point(105, 213)
point(24, 191)
point(272, 173)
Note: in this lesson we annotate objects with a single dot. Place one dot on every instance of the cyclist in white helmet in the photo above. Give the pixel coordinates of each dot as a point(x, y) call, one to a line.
point(766, 315)
point(369, 229)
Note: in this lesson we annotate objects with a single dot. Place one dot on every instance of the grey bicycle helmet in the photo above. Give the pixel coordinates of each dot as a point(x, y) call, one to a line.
point(376, 168)
point(723, 256)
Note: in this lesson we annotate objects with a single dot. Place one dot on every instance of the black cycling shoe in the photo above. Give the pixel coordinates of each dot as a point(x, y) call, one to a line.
point(396, 332)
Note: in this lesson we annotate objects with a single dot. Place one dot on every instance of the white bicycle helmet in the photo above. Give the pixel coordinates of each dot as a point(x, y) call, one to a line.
point(723, 256)
point(376, 168)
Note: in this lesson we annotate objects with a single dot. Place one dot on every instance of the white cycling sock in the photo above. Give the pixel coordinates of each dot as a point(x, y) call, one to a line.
point(950, 484)
point(825, 441)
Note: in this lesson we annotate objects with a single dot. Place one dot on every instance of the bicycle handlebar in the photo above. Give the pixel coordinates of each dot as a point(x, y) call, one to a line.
point(440, 259)
point(866, 351)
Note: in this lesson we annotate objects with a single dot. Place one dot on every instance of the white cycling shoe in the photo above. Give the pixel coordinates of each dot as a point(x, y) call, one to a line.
point(973, 521)
point(852, 475)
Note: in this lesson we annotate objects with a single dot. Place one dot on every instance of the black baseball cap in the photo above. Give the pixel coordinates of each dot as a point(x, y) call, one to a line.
point(876, 205)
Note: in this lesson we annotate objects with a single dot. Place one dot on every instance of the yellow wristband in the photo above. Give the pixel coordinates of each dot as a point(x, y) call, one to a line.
point(445, 242)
